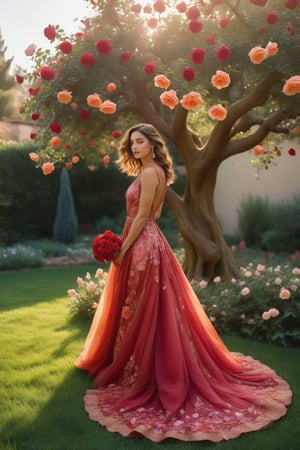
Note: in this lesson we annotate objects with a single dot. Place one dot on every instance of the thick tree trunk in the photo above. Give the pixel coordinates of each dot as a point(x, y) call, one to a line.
point(206, 253)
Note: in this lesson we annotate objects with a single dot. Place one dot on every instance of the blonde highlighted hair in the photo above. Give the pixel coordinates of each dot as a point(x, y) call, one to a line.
point(128, 164)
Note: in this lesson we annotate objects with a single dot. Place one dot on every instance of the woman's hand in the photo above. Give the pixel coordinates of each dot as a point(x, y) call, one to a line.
point(118, 259)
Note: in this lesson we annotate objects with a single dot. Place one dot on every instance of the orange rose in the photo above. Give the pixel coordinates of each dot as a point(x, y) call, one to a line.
point(161, 81)
point(272, 48)
point(220, 80)
point(257, 55)
point(191, 100)
point(169, 98)
point(55, 142)
point(64, 96)
point(94, 100)
point(75, 159)
point(258, 150)
point(111, 87)
point(108, 107)
point(34, 157)
point(47, 168)
point(217, 112)
point(292, 86)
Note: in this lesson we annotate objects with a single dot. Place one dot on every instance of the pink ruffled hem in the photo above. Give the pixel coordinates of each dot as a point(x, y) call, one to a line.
point(204, 423)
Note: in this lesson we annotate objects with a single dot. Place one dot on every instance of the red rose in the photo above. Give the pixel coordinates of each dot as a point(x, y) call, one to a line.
point(125, 56)
point(103, 46)
point(291, 4)
point(32, 135)
point(19, 79)
point(49, 32)
point(211, 40)
point(66, 47)
point(84, 114)
point(224, 22)
point(290, 30)
point(35, 116)
point(87, 59)
point(193, 13)
point(223, 53)
point(188, 74)
point(116, 134)
point(47, 73)
point(292, 152)
point(105, 246)
point(271, 18)
point(195, 26)
point(150, 68)
point(137, 8)
point(55, 127)
point(159, 6)
point(181, 7)
point(198, 55)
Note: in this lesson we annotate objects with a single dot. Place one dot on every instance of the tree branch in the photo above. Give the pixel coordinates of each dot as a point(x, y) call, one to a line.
point(237, 146)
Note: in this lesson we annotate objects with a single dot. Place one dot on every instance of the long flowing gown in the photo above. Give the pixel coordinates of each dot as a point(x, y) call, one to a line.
point(160, 368)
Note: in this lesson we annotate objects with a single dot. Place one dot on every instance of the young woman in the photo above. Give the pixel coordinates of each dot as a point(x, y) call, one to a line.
point(159, 365)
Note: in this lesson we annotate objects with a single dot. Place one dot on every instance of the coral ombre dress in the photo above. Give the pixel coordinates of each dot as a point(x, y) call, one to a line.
point(160, 368)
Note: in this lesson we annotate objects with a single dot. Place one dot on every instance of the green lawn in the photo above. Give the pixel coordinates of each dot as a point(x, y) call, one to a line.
point(41, 404)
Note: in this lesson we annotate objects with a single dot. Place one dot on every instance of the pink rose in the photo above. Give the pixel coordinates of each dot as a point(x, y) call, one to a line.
point(108, 107)
point(258, 150)
point(257, 55)
point(220, 80)
point(292, 86)
point(169, 98)
point(64, 96)
point(191, 100)
point(266, 315)
point(34, 157)
point(245, 291)
point(55, 142)
point(48, 168)
point(161, 81)
point(111, 87)
point(272, 48)
point(284, 294)
point(94, 100)
point(29, 51)
point(217, 112)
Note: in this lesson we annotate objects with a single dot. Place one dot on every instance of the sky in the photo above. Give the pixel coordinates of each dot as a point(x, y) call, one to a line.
point(22, 23)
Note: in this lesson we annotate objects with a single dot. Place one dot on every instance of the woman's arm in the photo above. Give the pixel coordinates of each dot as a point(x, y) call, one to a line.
point(149, 183)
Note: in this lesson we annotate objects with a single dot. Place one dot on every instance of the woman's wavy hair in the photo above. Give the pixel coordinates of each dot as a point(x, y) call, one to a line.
point(132, 166)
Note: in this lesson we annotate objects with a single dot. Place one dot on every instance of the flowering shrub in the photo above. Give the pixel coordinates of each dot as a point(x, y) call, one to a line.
point(264, 303)
point(83, 300)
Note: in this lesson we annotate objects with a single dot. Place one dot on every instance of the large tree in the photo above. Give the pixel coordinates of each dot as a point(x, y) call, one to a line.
point(236, 60)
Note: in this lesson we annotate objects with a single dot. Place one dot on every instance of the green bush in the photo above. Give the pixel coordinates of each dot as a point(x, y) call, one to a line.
point(264, 303)
point(284, 235)
point(19, 256)
point(254, 219)
point(272, 227)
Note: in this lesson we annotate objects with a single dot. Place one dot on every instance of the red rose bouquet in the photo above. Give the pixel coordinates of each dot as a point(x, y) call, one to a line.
point(105, 246)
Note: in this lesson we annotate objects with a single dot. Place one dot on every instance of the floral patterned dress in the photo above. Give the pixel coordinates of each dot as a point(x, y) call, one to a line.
point(160, 369)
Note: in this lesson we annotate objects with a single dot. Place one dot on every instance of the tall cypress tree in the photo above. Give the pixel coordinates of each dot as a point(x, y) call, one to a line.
point(65, 227)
